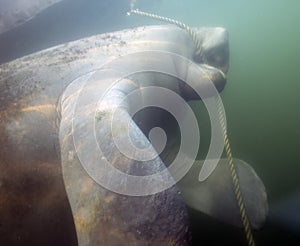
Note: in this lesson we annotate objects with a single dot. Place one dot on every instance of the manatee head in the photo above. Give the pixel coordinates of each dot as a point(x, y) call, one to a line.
point(214, 47)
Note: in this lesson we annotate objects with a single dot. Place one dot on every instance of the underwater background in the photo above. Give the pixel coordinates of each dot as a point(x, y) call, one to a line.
point(261, 97)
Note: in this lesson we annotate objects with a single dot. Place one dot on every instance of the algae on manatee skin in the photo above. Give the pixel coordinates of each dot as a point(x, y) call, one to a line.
point(100, 115)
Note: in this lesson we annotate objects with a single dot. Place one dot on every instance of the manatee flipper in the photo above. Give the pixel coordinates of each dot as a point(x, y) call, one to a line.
point(101, 216)
point(215, 196)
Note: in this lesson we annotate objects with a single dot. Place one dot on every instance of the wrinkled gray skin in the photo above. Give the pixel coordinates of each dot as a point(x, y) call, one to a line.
point(16, 12)
point(36, 101)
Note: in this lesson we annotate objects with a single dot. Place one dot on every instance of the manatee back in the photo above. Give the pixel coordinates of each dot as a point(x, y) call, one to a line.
point(34, 208)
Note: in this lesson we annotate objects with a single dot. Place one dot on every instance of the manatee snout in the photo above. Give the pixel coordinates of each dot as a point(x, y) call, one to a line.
point(214, 48)
point(212, 59)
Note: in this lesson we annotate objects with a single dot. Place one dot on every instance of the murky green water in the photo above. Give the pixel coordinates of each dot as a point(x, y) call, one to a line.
point(262, 95)
point(261, 98)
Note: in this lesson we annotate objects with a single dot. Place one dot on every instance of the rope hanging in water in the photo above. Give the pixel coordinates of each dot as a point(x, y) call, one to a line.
point(235, 180)
point(236, 185)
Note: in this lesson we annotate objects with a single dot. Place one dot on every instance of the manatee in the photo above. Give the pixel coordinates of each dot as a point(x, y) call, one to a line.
point(47, 195)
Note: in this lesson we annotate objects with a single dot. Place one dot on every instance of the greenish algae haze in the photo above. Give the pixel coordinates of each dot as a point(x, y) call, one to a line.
point(261, 100)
